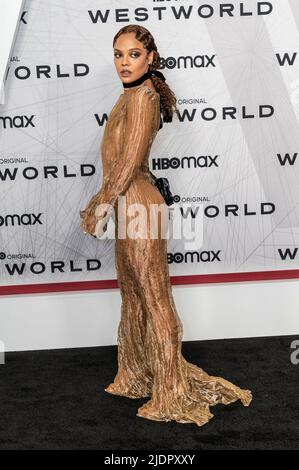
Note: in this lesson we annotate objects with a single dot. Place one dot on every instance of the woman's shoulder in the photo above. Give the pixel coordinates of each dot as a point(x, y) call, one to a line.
point(145, 95)
point(149, 91)
point(144, 90)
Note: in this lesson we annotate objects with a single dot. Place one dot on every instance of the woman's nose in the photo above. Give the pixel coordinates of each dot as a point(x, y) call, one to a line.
point(125, 61)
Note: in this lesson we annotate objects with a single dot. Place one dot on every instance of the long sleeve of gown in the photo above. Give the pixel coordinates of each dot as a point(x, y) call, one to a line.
point(139, 129)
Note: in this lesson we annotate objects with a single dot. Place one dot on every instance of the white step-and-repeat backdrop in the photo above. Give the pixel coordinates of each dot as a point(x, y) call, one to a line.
point(231, 156)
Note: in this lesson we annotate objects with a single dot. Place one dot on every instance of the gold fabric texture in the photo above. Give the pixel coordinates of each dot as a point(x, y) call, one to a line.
point(150, 362)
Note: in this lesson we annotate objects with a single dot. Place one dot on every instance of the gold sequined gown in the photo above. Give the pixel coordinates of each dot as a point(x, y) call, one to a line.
point(150, 363)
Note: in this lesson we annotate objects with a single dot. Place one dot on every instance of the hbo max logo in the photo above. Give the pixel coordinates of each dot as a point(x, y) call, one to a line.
point(200, 61)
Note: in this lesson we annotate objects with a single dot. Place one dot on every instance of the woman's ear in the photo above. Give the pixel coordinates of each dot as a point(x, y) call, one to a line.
point(150, 57)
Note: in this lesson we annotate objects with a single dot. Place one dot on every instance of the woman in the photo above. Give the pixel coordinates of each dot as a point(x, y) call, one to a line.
point(150, 363)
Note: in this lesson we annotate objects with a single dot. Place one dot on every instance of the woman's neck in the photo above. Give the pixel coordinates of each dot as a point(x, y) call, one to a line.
point(143, 80)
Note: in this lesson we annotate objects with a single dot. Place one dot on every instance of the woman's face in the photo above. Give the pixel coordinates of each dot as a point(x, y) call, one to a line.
point(131, 56)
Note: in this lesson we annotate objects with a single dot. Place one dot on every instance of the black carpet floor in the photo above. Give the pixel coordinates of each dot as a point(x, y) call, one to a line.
point(55, 399)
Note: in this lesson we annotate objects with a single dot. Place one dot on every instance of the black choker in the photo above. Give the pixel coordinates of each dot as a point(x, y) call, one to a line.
point(138, 81)
point(144, 77)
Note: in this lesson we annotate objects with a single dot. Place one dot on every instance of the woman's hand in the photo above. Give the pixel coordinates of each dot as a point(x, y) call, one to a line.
point(92, 224)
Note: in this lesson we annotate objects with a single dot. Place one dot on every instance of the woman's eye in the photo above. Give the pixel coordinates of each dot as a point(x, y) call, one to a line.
point(134, 54)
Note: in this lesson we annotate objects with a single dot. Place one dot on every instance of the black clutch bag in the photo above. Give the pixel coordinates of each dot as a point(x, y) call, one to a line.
point(164, 187)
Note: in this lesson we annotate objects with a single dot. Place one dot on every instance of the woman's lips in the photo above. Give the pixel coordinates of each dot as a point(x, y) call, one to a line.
point(125, 74)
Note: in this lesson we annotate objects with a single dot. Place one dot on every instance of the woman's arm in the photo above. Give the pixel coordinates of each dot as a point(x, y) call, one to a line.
point(139, 129)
